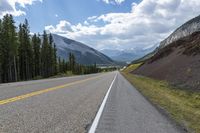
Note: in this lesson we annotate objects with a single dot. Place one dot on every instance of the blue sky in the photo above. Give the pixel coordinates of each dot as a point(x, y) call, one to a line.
point(105, 24)
point(51, 12)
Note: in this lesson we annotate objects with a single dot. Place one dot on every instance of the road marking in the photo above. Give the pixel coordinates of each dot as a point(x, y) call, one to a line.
point(100, 111)
point(10, 100)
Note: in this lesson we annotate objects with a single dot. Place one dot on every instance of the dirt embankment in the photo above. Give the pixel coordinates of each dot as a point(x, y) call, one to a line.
point(177, 63)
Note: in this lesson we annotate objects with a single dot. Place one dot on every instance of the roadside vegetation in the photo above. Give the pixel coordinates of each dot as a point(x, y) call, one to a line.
point(24, 56)
point(182, 105)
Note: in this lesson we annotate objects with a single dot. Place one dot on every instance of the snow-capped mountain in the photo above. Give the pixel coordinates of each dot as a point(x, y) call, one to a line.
point(83, 53)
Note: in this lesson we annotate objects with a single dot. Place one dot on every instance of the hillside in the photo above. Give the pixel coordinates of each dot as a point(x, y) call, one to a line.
point(177, 62)
point(146, 57)
point(186, 29)
point(83, 53)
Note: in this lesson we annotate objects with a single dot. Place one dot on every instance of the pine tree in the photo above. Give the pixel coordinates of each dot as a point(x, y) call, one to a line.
point(25, 52)
point(14, 47)
point(59, 65)
point(67, 66)
point(51, 55)
point(48, 56)
point(36, 42)
point(44, 56)
point(72, 62)
point(8, 49)
point(63, 66)
point(55, 70)
point(21, 51)
point(1, 51)
point(4, 49)
point(22, 57)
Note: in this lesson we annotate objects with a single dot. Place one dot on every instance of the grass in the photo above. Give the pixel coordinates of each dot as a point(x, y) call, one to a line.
point(60, 75)
point(182, 105)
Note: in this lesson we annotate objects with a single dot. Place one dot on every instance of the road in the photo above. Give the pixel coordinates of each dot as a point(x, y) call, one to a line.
point(70, 105)
point(127, 111)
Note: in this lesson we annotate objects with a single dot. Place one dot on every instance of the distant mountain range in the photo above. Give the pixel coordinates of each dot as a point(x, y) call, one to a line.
point(87, 55)
point(83, 53)
point(177, 60)
point(127, 55)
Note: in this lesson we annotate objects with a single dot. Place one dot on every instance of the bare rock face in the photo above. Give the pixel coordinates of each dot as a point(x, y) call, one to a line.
point(186, 29)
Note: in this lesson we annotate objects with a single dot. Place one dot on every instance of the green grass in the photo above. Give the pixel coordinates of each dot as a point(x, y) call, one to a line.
point(66, 74)
point(131, 68)
point(182, 105)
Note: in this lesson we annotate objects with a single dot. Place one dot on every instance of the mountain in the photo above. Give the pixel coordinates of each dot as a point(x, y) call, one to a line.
point(177, 60)
point(127, 55)
point(146, 57)
point(83, 53)
point(120, 55)
point(186, 29)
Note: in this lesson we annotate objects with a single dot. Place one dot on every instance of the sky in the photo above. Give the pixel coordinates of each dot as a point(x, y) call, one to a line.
point(105, 24)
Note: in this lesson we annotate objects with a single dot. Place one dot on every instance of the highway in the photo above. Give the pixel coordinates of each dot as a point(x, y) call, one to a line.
point(75, 105)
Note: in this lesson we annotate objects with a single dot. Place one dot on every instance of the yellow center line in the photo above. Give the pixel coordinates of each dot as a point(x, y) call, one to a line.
point(13, 99)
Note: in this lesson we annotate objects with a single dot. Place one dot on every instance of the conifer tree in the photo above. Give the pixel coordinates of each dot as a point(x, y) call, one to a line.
point(8, 49)
point(72, 62)
point(36, 42)
point(25, 52)
point(63, 66)
point(44, 56)
point(55, 70)
point(59, 65)
point(23, 57)
point(51, 55)
point(1, 51)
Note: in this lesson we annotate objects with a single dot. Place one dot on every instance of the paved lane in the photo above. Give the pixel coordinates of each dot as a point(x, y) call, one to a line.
point(19, 88)
point(127, 111)
point(70, 108)
point(70, 104)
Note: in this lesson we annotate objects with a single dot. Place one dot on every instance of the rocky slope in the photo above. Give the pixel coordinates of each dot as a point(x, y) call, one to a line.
point(186, 29)
point(83, 53)
point(178, 58)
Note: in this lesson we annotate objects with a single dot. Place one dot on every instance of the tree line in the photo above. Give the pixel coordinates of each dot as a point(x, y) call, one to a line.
point(25, 57)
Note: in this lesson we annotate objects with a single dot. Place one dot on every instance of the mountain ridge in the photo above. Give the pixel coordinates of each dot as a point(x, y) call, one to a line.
point(184, 30)
point(83, 53)
point(177, 62)
point(127, 55)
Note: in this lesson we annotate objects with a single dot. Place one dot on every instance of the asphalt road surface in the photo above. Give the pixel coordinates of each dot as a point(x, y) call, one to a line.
point(69, 105)
point(127, 111)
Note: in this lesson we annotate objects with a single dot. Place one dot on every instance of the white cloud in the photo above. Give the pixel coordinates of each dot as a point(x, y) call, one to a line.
point(86, 23)
point(92, 18)
point(9, 6)
point(113, 1)
point(63, 27)
point(148, 23)
point(22, 2)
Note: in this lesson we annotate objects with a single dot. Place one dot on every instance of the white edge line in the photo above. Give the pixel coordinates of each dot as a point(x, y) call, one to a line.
point(100, 111)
